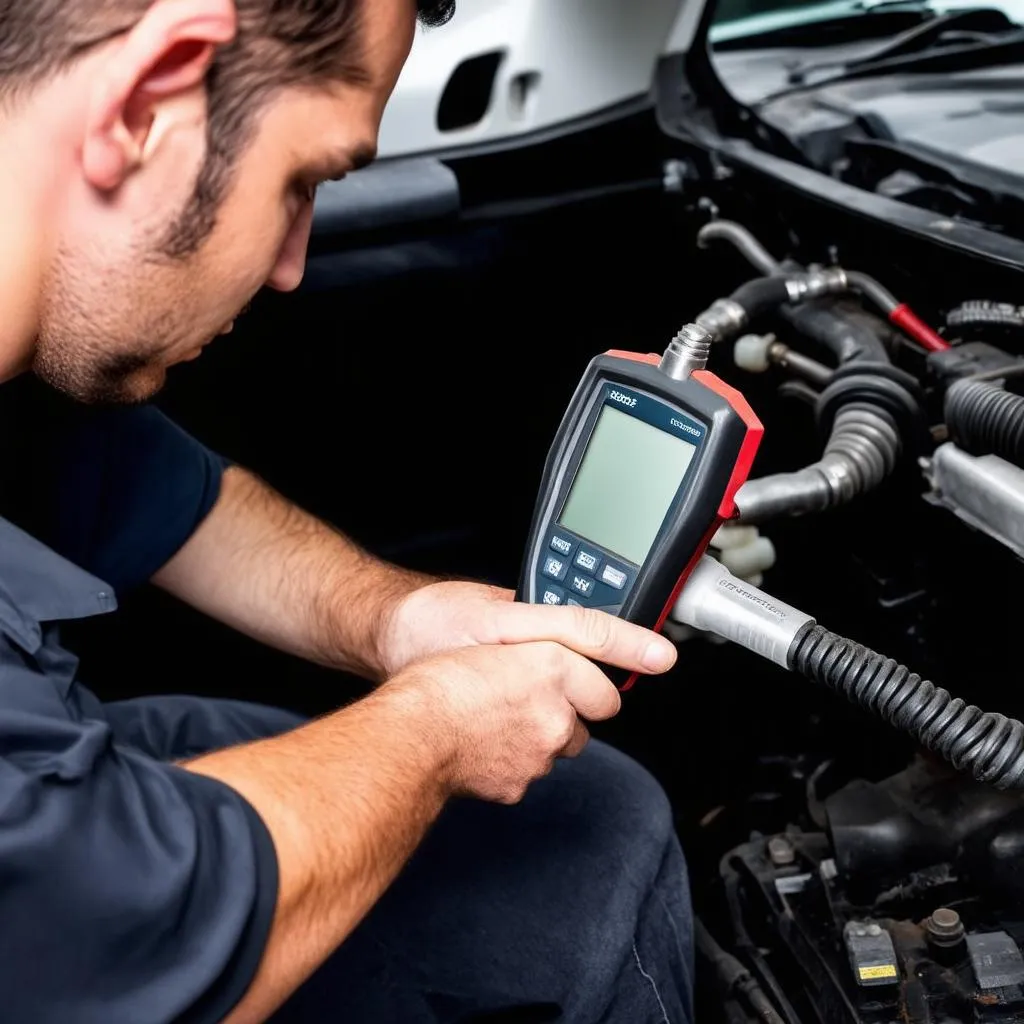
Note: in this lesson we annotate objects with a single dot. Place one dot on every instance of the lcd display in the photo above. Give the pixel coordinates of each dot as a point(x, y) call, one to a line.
point(626, 482)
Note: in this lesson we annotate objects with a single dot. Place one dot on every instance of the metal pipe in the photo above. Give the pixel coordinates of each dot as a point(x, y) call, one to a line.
point(743, 240)
point(803, 366)
point(884, 299)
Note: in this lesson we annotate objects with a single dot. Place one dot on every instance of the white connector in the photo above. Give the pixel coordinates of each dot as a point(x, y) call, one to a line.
point(743, 551)
point(750, 352)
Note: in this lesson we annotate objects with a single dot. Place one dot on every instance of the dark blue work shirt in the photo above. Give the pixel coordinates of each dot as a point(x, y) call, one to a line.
point(131, 891)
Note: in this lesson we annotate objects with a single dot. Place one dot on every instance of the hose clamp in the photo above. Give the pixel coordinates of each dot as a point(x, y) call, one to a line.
point(816, 283)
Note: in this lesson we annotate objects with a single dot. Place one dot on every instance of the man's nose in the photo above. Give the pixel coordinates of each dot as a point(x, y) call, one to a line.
point(287, 273)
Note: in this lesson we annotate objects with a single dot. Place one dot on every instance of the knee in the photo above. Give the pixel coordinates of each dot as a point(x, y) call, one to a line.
point(610, 797)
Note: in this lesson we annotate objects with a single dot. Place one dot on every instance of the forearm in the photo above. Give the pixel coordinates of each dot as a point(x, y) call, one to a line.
point(272, 571)
point(346, 799)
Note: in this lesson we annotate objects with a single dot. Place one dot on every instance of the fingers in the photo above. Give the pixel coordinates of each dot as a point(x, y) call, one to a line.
point(591, 633)
point(591, 692)
point(580, 738)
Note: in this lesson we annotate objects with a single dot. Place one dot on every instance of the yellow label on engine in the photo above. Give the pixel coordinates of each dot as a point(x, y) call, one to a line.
point(881, 971)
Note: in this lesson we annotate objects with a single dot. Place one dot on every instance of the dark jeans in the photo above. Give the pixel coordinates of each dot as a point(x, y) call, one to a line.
point(572, 906)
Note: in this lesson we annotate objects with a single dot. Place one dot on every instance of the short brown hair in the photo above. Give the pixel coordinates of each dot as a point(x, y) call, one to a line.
point(279, 43)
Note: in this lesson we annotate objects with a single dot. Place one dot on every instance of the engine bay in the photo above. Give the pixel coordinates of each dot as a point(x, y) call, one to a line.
point(897, 895)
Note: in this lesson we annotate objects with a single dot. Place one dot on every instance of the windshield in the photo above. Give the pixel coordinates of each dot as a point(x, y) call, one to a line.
point(735, 20)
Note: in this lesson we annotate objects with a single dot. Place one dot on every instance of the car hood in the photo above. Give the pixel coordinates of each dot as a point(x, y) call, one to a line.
point(975, 116)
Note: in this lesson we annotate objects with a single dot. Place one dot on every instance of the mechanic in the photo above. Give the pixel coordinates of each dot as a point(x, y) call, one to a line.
point(179, 859)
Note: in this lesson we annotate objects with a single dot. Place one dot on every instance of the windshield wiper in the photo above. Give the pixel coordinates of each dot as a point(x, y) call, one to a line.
point(956, 32)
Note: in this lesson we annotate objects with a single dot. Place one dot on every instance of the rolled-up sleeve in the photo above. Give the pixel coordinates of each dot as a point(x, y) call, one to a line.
point(133, 892)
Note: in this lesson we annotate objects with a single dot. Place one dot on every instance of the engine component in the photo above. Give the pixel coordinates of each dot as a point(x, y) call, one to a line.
point(985, 491)
point(725, 318)
point(985, 419)
point(883, 833)
point(824, 281)
point(752, 352)
point(829, 325)
point(742, 240)
point(871, 951)
point(945, 933)
point(861, 452)
point(755, 353)
point(969, 360)
point(996, 960)
point(983, 320)
point(874, 957)
point(744, 552)
point(735, 982)
point(883, 386)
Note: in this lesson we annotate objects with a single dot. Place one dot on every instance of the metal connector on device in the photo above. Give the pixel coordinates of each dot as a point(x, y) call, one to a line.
point(688, 351)
point(715, 601)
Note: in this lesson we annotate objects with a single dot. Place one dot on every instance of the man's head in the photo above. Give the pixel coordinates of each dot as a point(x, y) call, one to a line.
point(160, 158)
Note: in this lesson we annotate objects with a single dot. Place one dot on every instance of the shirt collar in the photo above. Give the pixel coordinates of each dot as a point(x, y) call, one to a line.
point(38, 586)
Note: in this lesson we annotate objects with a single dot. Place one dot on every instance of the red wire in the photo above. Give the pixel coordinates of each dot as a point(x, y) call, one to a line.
point(906, 319)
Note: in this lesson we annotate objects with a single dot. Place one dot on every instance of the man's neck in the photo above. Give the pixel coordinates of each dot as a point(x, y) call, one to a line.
point(22, 246)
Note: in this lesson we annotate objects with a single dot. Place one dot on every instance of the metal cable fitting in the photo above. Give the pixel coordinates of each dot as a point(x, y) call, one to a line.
point(816, 283)
point(688, 351)
point(723, 318)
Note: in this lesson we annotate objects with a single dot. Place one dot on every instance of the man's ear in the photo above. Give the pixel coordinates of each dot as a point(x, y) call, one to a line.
point(165, 55)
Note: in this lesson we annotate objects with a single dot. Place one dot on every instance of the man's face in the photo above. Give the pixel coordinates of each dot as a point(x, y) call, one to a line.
point(116, 312)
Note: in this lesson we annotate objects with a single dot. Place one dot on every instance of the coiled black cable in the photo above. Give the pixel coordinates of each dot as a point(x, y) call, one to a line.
point(984, 419)
point(989, 746)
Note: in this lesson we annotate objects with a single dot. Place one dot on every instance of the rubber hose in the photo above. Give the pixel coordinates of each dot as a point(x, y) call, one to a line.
point(984, 419)
point(761, 296)
point(846, 339)
point(862, 451)
point(989, 746)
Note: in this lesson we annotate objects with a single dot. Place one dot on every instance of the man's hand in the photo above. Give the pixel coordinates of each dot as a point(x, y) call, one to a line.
point(448, 616)
point(348, 797)
point(514, 710)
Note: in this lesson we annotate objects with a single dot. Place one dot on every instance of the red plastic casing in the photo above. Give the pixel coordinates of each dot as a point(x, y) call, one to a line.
point(740, 473)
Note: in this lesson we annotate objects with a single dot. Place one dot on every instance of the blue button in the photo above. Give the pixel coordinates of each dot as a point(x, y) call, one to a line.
point(553, 595)
point(587, 561)
point(582, 585)
point(614, 577)
point(561, 544)
point(556, 568)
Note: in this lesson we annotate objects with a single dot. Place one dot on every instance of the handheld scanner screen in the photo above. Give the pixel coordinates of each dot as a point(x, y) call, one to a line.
point(626, 483)
point(642, 471)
